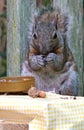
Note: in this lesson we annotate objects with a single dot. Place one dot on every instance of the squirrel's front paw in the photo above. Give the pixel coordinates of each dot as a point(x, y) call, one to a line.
point(37, 62)
point(50, 58)
point(40, 60)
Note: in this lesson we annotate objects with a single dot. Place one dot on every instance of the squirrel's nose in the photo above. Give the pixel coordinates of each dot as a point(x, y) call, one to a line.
point(44, 52)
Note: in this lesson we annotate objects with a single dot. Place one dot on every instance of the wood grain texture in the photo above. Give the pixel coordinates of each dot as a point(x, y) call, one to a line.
point(19, 15)
point(13, 38)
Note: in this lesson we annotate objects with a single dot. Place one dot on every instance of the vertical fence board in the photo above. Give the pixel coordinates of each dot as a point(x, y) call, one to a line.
point(13, 37)
point(19, 13)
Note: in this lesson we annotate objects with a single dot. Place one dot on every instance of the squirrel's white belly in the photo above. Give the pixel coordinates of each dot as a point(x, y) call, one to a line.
point(48, 80)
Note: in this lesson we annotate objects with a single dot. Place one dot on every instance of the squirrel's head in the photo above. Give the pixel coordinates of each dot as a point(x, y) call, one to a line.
point(46, 35)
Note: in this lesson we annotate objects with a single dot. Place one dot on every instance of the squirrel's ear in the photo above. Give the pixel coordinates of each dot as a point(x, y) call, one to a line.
point(35, 22)
point(62, 22)
point(55, 21)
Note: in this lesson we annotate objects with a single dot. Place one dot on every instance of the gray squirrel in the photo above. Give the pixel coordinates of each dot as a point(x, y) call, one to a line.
point(49, 59)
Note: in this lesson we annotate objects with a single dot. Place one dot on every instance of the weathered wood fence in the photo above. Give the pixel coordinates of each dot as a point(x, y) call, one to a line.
point(20, 13)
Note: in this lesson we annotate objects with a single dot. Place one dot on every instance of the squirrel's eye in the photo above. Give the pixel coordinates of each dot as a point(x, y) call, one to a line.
point(35, 35)
point(54, 36)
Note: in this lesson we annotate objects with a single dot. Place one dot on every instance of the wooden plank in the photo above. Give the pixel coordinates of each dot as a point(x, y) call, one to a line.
point(13, 38)
point(19, 15)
